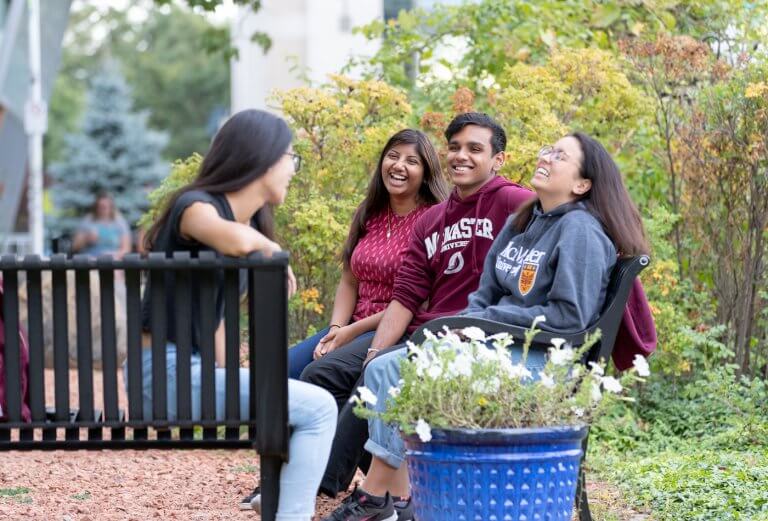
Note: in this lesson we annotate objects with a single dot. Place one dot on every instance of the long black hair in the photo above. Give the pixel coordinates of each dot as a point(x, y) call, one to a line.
point(607, 200)
point(433, 188)
point(245, 147)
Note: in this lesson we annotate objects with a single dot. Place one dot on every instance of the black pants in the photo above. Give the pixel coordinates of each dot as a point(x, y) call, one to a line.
point(341, 373)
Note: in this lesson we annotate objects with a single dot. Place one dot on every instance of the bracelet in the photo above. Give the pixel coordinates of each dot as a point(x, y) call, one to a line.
point(334, 325)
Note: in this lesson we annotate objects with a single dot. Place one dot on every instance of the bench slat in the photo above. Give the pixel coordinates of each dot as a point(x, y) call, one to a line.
point(84, 347)
point(12, 346)
point(61, 345)
point(35, 337)
point(207, 350)
point(159, 333)
point(133, 325)
point(183, 312)
point(109, 349)
point(232, 334)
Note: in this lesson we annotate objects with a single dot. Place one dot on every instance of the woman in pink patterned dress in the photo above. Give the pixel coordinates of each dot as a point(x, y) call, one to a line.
point(407, 181)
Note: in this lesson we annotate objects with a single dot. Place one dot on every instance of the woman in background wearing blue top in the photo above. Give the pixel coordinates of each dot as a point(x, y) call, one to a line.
point(103, 231)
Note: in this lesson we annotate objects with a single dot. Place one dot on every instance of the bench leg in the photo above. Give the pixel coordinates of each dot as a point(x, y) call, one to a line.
point(270, 486)
point(582, 502)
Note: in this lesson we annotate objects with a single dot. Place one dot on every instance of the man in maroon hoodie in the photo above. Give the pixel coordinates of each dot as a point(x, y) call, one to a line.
point(441, 268)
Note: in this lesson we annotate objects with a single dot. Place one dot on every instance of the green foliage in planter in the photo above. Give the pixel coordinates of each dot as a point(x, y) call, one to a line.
point(469, 381)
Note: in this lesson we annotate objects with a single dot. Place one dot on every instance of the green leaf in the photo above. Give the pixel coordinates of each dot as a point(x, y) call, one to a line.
point(548, 37)
point(605, 15)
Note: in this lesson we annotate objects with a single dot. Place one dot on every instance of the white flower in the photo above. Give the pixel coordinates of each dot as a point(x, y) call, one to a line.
point(611, 384)
point(597, 369)
point(558, 342)
point(560, 356)
point(367, 395)
point(546, 380)
point(501, 340)
point(474, 333)
point(434, 371)
point(429, 335)
point(575, 371)
point(520, 371)
point(486, 386)
point(578, 411)
point(537, 320)
point(394, 392)
point(460, 366)
point(484, 353)
point(596, 395)
point(641, 366)
point(423, 430)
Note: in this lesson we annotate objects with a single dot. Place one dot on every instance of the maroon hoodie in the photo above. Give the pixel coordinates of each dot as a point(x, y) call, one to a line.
point(447, 249)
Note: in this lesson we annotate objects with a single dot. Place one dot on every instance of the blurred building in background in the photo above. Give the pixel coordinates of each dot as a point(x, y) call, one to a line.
point(310, 39)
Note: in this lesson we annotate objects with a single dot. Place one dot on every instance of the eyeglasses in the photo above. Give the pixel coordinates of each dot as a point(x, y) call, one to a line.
point(296, 160)
point(555, 154)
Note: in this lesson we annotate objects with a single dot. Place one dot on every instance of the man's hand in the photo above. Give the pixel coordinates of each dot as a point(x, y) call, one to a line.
point(372, 352)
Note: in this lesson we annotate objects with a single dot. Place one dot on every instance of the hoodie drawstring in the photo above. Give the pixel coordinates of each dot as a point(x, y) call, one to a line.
point(477, 267)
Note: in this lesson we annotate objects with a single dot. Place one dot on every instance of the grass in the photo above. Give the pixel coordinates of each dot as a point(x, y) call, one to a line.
point(689, 451)
point(246, 469)
point(82, 496)
point(694, 484)
point(17, 495)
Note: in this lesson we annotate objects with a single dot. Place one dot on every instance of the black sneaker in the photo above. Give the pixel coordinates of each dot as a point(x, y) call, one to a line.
point(404, 509)
point(252, 501)
point(359, 507)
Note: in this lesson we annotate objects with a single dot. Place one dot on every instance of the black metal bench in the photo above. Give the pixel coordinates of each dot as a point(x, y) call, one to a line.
point(86, 427)
point(619, 286)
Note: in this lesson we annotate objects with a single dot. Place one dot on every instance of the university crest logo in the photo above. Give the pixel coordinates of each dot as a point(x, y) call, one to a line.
point(527, 278)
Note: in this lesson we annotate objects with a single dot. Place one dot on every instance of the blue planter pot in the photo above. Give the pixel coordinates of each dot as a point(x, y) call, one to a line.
point(495, 474)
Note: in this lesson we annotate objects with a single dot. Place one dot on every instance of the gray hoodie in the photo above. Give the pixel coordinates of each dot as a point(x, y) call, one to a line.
point(558, 267)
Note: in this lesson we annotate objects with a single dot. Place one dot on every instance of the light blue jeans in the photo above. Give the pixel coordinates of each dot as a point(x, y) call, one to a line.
point(311, 412)
point(383, 372)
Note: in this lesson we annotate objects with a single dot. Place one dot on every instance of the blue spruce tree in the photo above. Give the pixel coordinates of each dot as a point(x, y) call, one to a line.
point(114, 151)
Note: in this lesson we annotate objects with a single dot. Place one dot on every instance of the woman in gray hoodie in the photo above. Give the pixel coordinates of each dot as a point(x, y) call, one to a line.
point(553, 257)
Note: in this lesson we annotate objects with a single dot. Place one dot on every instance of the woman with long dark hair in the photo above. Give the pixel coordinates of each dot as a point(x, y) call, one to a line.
point(227, 209)
point(406, 182)
point(553, 257)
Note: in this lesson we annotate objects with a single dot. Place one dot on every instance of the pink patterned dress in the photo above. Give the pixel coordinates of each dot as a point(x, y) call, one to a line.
point(377, 257)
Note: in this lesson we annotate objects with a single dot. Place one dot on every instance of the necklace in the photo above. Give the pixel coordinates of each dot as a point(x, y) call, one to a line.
point(390, 227)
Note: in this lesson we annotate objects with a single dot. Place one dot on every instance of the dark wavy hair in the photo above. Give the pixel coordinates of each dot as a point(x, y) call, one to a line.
point(607, 200)
point(481, 119)
point(245, 147)
point(433, 188)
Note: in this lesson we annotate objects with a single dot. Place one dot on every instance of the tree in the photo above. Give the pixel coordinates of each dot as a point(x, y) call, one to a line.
point(114, 151)
point(471, 44)
point(725, 148)
point(165, 63)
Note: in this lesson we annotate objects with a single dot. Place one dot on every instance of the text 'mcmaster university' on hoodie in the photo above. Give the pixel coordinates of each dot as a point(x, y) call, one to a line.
point(448, 246)
point(558, 267)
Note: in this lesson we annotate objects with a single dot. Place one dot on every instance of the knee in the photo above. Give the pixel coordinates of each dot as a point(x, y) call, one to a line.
point(319, 372)
point(382, 371)
point(325, 410)
point(312, 372)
